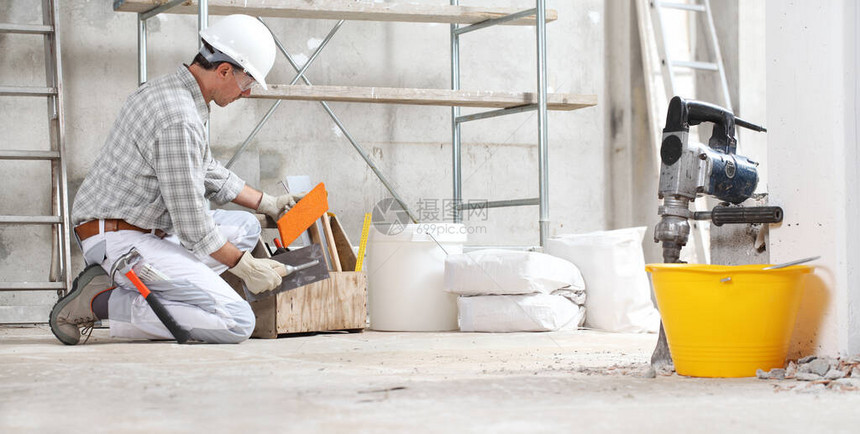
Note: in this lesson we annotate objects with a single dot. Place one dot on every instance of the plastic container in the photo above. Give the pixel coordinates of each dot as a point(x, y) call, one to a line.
point(406, 276)
point(727, 321)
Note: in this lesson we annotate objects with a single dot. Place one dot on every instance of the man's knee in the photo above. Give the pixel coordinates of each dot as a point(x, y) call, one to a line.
point(250, 230)
point(251, 222)
point(245, 320)
point(243, 325)
point(215, 315)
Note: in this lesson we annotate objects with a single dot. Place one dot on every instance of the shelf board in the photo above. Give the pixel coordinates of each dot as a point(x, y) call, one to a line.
point(340, 10)
point(435, 97)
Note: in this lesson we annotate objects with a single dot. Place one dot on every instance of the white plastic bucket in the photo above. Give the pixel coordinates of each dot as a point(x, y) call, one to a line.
point(406, 276)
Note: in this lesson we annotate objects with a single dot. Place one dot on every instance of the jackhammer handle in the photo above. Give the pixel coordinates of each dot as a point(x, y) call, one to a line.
point(161, 312)
point(752, 214)
point(702, 111)
point(699, 111)
point(696, 112)
point(749, 125)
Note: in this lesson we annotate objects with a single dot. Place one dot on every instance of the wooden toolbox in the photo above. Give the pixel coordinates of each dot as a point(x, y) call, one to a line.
point(336, 303)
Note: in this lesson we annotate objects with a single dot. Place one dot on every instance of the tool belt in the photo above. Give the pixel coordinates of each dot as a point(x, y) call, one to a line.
point(90, 228)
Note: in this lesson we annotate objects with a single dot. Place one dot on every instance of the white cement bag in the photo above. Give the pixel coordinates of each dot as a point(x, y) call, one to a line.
point(508, 272)
point(520, 313)
point(613, 265)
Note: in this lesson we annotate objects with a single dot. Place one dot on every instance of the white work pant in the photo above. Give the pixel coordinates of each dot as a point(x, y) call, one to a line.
point(200, 301)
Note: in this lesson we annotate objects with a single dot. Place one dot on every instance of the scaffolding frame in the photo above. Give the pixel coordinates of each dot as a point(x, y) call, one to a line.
point(456, 119)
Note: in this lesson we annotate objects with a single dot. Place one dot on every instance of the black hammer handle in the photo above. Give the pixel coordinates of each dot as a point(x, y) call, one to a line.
point(161, 312)
point(753, 214)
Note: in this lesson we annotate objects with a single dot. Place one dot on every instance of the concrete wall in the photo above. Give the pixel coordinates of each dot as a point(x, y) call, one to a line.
point(812, 111)
point(752, 84)
point(410, 144)
point(630, 152)
point(740, 32)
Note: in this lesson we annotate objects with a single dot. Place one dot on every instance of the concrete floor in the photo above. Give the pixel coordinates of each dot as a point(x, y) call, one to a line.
point(388, 382)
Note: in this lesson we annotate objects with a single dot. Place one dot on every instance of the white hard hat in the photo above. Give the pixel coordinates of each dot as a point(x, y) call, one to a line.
point(245, 41)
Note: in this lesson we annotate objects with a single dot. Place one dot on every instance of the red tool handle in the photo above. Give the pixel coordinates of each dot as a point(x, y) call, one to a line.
point(161, 312)
point(278, 243)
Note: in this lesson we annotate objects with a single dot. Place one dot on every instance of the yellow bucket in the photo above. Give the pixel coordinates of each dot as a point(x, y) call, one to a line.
point(727, 321)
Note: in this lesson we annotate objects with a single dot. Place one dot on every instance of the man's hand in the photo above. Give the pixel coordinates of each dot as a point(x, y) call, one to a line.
point(259, 274)
point(274, 207)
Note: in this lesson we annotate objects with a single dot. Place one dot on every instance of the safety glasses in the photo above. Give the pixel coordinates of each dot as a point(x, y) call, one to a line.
point(243, 79)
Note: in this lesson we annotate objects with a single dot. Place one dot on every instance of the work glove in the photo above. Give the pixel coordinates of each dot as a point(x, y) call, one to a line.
point(274, 207)
point(259, 274)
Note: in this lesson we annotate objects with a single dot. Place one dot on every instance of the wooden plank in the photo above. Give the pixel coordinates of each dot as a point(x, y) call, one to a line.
point(260, 250)
point(347, 255)
point(266, 312)
point(314, 233)
point(366, 10)
point(435, 97)
point(337, 303)
point(316, 238)
point(329, 242)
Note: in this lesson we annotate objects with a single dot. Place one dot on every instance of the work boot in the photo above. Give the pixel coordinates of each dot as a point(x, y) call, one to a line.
point(74, 311)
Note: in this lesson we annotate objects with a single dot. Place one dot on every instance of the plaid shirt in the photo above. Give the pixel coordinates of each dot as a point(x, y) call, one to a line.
point(156, 170)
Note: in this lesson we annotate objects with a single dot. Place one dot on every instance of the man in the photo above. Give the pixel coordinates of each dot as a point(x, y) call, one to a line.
point(149, 189)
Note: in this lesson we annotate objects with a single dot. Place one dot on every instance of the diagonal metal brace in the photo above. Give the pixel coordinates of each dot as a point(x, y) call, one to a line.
point(337, 122)
point(300, 74)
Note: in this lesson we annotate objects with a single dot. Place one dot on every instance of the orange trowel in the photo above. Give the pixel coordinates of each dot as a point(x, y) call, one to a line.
point(307, 264)
point(303, 214)
point(303, 266)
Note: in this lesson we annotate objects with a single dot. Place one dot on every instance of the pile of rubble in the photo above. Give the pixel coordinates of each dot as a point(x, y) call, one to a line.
point(818, 373)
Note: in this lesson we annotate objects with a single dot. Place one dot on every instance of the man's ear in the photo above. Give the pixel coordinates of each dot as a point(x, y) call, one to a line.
point(223, 69)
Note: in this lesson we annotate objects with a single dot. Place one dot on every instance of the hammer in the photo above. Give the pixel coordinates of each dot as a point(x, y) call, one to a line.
point(125, 265)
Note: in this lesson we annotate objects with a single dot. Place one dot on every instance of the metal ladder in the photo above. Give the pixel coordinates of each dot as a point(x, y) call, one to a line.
point(668, 64)
point(657, 60)
point(651, 22)
point(59, 278)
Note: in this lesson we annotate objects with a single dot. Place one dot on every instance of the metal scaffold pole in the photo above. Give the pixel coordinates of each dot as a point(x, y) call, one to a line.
point(543, 160)
point(456, 155)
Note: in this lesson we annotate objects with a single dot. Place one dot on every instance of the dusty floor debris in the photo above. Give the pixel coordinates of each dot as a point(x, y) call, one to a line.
point(816, 374)
point(388, 382)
